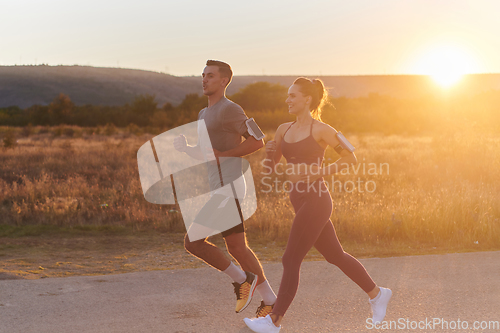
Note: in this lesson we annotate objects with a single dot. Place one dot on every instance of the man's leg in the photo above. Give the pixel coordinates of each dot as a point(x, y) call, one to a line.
point(237, 246)
point(207, 252)
point(244, 282)
point(201, 248)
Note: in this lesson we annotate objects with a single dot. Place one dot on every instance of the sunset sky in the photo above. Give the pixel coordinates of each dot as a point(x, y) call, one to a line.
point(259, 37)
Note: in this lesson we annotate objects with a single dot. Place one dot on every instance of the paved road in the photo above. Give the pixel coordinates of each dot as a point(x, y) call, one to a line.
point(452, 287)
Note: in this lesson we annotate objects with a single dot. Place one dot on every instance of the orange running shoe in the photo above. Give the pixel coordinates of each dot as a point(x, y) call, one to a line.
point(263, 310)
point(244, 292)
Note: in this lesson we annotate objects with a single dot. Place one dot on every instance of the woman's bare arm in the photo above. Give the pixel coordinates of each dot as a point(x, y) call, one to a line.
point(328, 134)
point(273, 148)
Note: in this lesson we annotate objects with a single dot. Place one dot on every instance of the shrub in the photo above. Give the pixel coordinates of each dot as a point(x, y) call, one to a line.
point(27, 130)
point(43, 130)
point(68, 131)
point(9, 140)
point(58, 131)
point(134, 129)
point(89, 130)
point(78, 133)
point(109, 129)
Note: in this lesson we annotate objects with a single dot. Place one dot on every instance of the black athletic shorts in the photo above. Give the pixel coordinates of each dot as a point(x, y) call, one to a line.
point(234, 230)
point(211, 208)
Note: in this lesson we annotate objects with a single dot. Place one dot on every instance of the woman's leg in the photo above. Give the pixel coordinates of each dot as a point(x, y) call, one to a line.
point(329, 246)
point(308, 224)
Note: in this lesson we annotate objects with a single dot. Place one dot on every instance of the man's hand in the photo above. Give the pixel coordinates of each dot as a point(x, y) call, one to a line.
point(180, 143)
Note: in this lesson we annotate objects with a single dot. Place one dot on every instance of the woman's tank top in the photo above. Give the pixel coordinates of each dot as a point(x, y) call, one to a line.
point(306, 151)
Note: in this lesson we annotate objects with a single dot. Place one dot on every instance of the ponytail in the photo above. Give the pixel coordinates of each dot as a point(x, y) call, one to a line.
point(317, 91)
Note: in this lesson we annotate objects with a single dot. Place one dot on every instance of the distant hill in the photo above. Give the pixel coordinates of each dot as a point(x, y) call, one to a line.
point(28, 85)
point(400, 86)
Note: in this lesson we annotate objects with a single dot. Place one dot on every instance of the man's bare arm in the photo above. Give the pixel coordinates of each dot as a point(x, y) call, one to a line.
point(194, 152)
point(248, 146)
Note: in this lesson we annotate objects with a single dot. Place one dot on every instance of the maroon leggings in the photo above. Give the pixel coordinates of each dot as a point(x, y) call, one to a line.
point(312, 227)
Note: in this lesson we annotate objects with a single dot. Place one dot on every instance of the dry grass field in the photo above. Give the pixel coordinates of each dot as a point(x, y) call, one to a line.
point(408, 195)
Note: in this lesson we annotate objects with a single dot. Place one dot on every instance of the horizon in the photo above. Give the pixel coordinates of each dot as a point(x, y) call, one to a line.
point(257, 75)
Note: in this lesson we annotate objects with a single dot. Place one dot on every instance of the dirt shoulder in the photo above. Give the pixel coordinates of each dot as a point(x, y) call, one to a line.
point(60, 255)
point(35, 257)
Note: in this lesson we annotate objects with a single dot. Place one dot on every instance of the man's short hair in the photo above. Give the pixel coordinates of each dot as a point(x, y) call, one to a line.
point(224, 69)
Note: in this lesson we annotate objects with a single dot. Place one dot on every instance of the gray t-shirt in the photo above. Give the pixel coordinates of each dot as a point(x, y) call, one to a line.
point(225, 121)
point(225, 124)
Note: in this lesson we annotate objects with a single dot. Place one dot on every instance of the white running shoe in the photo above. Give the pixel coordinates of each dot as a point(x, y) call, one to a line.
point(262, 325)
point(379, 304)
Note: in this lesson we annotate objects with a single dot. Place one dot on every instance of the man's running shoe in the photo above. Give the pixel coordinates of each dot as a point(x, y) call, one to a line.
point(263, 310)
point(244, 292)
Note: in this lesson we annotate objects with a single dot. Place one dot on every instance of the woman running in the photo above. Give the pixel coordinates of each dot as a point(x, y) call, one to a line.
point(303, 143)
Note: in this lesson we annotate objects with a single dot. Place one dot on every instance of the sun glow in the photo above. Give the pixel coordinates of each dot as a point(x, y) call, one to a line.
point(446, 64)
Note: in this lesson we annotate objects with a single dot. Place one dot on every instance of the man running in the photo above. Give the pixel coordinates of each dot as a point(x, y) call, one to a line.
point(226, 124)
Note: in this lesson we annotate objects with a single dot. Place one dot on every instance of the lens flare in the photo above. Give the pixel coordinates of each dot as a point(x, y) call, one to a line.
point(446, 64)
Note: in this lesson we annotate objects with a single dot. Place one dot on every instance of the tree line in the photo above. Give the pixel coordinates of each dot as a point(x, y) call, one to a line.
point(266, 103)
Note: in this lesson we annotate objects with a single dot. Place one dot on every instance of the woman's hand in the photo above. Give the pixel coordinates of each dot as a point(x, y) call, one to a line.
point(270, 147)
